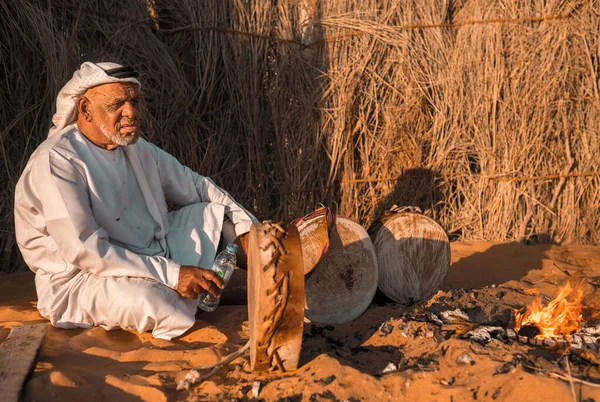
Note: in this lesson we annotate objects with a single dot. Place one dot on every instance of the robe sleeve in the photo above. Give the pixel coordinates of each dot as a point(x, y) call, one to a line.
point(55, 189)
point(183, 186)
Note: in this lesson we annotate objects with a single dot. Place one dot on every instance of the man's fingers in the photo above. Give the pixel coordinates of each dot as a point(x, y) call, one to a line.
point(194, 280)
point(197, 289)
point(210, 286)
point(212, 276)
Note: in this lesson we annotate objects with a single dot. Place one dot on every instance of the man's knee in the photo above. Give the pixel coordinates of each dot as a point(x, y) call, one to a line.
point(156, 299)
point(142, 304)
point(169, 314)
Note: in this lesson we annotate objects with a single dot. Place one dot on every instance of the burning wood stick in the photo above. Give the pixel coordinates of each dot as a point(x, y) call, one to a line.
point(560, 317)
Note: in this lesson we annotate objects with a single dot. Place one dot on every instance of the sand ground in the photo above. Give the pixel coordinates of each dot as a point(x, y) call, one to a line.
point(341, 362)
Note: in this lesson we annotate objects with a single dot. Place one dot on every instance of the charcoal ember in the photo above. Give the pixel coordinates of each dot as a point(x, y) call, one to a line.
point(386, 328)
point(529, 331)
point(506, 368)
point(588, 357)
point(245, 389)
point(434, 319)
point(449, 382)
point(588, 340)
point(418, 315)
point(474, 304)
point(510, 333)
point(592, 331)
point(576, 342)
point(454, 316)
point(511, 365)
point(484, 334)
point(561, 344)
point(422, 363)
point(327, 395)
point(491, 315)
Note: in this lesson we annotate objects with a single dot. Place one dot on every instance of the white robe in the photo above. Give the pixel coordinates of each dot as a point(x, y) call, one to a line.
point(93, 225)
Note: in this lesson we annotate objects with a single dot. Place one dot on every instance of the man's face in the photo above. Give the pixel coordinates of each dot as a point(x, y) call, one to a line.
point(115, 112)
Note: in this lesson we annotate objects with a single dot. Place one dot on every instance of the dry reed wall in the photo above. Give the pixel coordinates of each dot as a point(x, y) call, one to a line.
point(483, 113)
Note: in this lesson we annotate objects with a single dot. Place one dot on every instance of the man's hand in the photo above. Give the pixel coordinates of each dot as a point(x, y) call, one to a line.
point(193, 280)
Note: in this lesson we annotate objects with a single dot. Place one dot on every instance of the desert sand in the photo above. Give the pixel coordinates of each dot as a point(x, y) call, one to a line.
point(341, 362)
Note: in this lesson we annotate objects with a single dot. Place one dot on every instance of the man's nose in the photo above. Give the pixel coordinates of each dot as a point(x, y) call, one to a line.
point(129, 110)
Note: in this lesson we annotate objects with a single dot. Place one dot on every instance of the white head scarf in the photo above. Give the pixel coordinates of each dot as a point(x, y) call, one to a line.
point(89, 75)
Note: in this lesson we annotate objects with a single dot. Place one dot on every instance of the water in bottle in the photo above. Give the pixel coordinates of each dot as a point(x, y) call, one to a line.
point(224, 265)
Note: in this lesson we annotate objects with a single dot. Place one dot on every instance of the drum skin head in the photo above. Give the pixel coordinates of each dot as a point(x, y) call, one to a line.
point(413, 253)
point(342, 285)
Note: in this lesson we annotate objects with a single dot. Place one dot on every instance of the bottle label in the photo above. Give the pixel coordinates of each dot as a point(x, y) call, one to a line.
point(219, 271)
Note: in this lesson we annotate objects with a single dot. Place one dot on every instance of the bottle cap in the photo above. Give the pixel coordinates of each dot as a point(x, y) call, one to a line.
point(232, 248)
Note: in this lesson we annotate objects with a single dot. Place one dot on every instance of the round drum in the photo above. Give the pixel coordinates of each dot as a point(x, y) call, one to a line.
point(342, 285)
point(413, 255)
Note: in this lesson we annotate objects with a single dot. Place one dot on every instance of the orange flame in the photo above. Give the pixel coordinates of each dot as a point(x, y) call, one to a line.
point(560, 317)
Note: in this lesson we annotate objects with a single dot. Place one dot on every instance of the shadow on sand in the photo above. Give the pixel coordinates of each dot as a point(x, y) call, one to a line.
point(499, 264)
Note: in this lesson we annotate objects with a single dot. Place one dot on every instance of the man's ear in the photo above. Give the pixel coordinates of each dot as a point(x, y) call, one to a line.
point(83, 108)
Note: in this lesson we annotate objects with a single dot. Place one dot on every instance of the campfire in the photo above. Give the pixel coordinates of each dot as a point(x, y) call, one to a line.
point(561, 317)
point(483, 315)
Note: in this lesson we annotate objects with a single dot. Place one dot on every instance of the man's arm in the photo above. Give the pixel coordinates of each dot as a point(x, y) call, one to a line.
point(183, 186)
point(53, 216)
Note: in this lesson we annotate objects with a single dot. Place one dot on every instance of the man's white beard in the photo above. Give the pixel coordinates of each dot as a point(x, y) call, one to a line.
point(116, 138)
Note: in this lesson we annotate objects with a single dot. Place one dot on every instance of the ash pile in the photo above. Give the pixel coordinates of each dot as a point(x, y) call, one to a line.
point(492, 313)
point(460, 328)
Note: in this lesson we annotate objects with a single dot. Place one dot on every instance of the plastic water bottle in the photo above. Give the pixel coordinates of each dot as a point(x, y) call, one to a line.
point(223, 266)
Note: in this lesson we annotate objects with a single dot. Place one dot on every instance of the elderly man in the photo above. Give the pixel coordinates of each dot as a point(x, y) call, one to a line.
point(92, 221)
